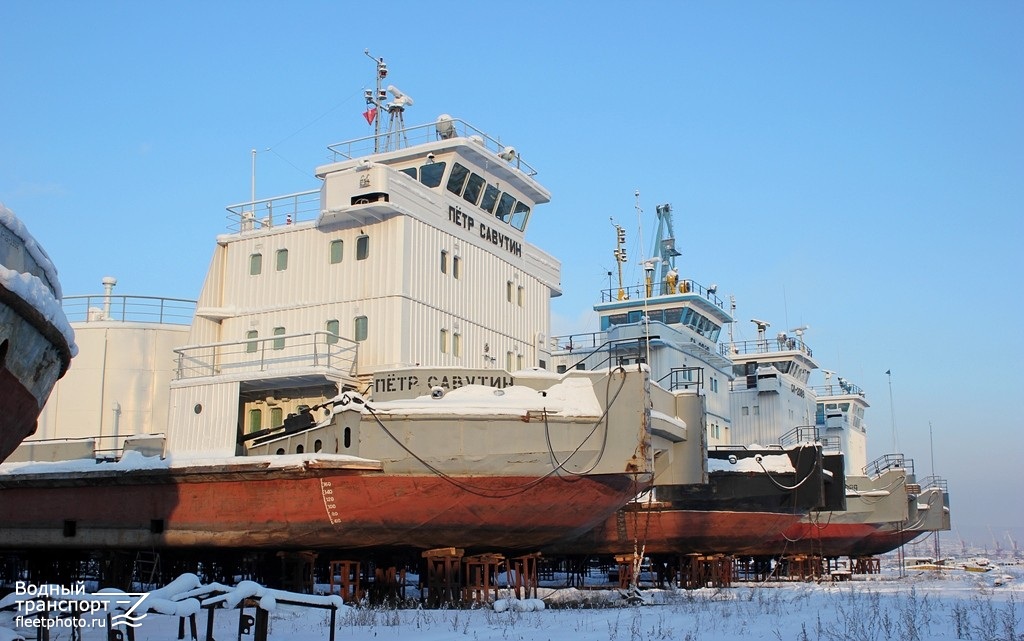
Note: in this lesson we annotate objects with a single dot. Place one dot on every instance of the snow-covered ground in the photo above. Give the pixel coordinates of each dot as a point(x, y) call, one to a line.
point(951, 604)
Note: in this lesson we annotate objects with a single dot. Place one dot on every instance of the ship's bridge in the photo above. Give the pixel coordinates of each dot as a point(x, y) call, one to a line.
point(763, 357)
point(691, 305)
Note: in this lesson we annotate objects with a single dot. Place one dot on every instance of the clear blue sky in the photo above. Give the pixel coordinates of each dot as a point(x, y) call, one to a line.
point(855, 167)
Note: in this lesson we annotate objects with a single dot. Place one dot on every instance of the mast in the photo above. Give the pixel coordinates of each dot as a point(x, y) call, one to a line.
point(620, 255)
point(375, 99)
point(665, 242)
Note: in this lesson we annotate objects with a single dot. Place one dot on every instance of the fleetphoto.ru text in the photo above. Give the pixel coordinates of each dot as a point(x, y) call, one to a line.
point(56, 607)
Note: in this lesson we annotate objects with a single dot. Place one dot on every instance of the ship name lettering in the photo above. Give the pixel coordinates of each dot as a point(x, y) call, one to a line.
point(499, 239)
point(461, 219)
point(392, 383)
point(459, 380)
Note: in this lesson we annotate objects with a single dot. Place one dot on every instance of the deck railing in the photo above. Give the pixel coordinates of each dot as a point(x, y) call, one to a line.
point(420, 134)
point(272, 212)
point(934, 481)
point(799, 434)
point(837, 389)
point(138, 309)
point(284, 352)
point(640, 292)
point(831, 444)
point(889, 462)
point(765, 346)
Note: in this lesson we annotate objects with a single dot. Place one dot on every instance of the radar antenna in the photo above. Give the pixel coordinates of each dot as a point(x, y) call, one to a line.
point(396, 119)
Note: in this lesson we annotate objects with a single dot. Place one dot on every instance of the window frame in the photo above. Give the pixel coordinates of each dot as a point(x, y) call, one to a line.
point(340, 245)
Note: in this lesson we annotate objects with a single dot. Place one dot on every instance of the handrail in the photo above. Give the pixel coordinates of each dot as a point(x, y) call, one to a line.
point(678, 378)
point(766, 346)
point(419, 134)
point(571, 342)
point(843, 389)
point(282, 352)
point(800, 434)
point(267, 213)
point(831, 444)
point(609, 347)
point(685, 287)
point(934, 481)
point(889, 462)
point(123, 308)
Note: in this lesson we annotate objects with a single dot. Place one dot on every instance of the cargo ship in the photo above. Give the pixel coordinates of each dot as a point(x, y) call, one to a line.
point(753, 491)
point(368, 364)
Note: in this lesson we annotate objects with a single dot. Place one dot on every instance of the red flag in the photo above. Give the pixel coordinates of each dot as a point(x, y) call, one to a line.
point(370, 114)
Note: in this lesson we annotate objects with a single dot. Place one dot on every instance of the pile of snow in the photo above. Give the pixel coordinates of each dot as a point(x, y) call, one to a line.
point(519, 605)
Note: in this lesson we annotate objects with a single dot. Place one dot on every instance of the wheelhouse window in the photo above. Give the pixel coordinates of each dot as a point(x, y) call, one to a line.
point(362, 247)
point(409, 171)
point(490, 198)
point(361, 328)
point(255, 264)
point(282, 260)
point(505, 205)
point(457, 179)
point(337, 251)
point(520, 214)
point(473, 189)
point(431, 174)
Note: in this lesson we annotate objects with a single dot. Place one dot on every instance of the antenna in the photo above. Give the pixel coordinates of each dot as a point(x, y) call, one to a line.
point(375, 99)
point(396, 118)
point(828, 380)
point(762, 342)
point(892, 415)
point(620, 256)
point(732, 324)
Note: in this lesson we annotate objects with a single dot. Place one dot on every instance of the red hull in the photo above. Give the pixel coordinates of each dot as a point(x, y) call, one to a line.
point(33, 355)
point(883, 541)
point(670, 531)
point(827, 539)
point(306, 506)
point(19, 411)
